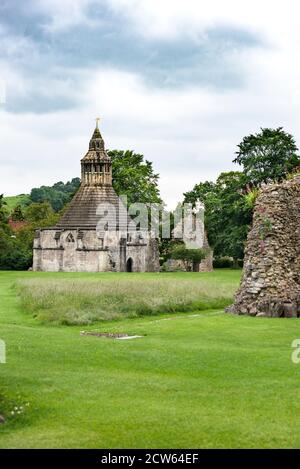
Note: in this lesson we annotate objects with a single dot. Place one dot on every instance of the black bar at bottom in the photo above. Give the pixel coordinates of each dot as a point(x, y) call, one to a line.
point(134, 458)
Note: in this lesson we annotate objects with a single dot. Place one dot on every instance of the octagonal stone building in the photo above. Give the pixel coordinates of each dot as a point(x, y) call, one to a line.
point(95, 234)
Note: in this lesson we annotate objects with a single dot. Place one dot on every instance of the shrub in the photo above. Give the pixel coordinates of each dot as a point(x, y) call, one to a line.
point(223, 262)
point(190, 257)
point(16, 259)
point(13, 254)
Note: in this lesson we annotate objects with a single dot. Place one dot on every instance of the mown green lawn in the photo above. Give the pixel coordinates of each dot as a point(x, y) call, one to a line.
point(204, 379)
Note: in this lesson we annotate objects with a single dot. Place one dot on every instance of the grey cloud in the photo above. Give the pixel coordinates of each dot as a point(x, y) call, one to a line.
point(109, 41)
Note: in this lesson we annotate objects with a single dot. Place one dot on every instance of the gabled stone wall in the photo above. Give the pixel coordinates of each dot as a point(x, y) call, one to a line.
point(270, 284)
point(83, 251)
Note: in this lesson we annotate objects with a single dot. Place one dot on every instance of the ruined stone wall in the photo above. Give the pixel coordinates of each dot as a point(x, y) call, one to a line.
point(152, 255)
point(270, 283)
point(84, 251)
point(206, 265)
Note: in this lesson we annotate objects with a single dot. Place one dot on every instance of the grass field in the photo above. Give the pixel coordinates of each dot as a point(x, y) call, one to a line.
point(202, 379)
point(14, 200)
point(80, 301)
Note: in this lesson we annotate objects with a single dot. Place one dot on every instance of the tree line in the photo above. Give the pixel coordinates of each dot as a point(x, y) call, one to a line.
point(270, 155)
point(133, 176)
point(267, 156)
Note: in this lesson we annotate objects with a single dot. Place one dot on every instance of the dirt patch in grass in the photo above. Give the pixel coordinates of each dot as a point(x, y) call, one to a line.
point(109, 335)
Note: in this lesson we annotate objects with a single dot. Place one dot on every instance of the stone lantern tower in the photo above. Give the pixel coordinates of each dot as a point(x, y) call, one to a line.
point(96, 165)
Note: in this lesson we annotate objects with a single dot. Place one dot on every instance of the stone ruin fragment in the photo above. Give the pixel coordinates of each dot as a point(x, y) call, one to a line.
point(270, 284)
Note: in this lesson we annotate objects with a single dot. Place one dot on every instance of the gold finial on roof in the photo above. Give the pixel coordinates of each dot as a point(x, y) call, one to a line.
point(97, 122)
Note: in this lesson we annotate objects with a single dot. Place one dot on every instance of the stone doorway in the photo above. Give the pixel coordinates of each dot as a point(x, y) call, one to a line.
point(129, 265)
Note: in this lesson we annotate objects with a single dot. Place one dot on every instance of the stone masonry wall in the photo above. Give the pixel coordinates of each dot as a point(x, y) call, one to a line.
point(83, 251)
point(270, 285)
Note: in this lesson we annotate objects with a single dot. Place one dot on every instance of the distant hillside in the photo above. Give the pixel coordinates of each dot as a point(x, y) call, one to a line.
point(57, 195)
point(14, 200)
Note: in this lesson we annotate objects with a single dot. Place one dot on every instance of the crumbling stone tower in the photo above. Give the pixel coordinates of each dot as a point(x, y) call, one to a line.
point(270, 284)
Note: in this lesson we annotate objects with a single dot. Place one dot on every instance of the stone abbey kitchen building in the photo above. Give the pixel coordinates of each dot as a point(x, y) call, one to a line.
point(80, 242)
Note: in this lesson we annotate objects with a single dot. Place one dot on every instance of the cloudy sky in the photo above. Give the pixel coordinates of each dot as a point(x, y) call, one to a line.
point(179, 81)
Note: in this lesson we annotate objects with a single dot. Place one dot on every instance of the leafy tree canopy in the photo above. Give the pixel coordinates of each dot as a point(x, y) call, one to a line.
point(190, 257)
point(133, 176)
point(37, 215)
point(38, 211)
point(267, 156)
point(3, 213)
point(227, 213)
point(17, 213)
point(13, 254)
point(57, 195)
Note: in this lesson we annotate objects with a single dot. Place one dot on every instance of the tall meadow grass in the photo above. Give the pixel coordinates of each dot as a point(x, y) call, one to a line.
point(87, 301)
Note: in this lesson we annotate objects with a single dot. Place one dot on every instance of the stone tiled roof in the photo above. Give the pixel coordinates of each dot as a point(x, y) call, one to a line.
point(96, 148)
point(82, 211)
point(93, 155)
point(95, 195)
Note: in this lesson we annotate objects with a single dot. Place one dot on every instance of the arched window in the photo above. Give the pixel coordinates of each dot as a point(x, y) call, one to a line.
point(70, 238)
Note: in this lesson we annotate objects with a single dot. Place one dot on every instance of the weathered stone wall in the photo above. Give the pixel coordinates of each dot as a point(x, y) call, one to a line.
point(206, 265)
point(270, 284)
point(83, 251)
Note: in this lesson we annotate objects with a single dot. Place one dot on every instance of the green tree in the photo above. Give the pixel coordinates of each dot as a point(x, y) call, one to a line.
point(228, 214)
point(13, 254)
point(57, 195)
point(38, 211)
point(37, 216)
point(133, 176)
point(267, 156)
point(190, 257)
point(3, 212)
point(17, 213)
point(16, 247)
